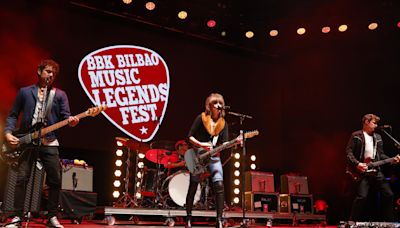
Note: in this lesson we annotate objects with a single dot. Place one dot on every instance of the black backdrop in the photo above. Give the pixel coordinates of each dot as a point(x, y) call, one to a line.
point(306, 94)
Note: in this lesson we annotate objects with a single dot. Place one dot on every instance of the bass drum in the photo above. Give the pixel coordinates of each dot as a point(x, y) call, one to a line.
point(178, 187)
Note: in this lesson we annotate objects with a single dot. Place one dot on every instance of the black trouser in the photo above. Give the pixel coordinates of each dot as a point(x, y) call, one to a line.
point(51, 162)
point(386, 195)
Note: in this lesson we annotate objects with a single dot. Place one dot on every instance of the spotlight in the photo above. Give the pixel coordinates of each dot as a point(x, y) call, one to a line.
point(127, 1)
point(140, 165)
point(182, 15)
point(119, 152)
point(326, 29)
point(118, 162)
point(117, 183)
point(223, 33)
point(236, 191)
point(138, 195)
point(117, 173)
point(139, 175)
point(150, 6)
point(138, 184)
point(273, 32)
point(342, 28)
point(373, 26)
point(211, 23)
point(237, 164)
point(253, 157)
point(119, 143)
point(398, 24)
point(236, 200)
point(301, 31)
point(249, 34)
point(237, 173)
point(115, 194)
point(237, 155)
point(253, 166)
point(236, 181)
point(141, 155)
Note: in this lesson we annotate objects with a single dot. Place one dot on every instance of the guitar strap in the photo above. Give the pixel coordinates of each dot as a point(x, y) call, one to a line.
point(49, 103)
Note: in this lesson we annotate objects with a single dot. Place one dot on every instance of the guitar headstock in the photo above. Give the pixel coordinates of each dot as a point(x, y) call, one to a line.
point(251, 134)
point(96, 110)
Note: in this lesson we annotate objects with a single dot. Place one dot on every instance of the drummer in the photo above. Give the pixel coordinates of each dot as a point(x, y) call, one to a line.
point(181, 147)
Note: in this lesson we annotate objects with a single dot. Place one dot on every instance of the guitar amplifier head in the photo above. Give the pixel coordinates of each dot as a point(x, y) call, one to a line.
point(293, 184)
point(259, 181)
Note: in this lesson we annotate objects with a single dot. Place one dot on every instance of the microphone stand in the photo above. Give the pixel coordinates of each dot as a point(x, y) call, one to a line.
point(242, 117)
point(40, 122)
point(396, 143)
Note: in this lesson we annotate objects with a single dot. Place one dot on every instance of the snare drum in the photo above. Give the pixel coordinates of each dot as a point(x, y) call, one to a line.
point(178, 185)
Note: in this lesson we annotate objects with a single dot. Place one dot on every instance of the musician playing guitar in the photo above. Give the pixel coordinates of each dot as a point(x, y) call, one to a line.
point(208, 130)
point(366, 145)
point(29, 103)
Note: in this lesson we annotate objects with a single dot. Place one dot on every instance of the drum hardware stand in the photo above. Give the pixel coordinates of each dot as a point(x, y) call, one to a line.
point(242, 117)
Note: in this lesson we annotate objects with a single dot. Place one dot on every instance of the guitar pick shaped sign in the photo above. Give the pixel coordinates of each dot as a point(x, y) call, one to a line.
point(133, 82)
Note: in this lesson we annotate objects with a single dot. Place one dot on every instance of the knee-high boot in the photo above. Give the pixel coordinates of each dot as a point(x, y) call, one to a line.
point(189, 203)
point(219, 199)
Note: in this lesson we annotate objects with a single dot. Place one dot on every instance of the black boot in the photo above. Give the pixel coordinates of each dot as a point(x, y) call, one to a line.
point(189, 203)
point(219, 199)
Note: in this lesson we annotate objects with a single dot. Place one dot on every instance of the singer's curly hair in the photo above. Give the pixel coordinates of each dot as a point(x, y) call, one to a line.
point(370, 117)
point(49, 62)
point(211, 100)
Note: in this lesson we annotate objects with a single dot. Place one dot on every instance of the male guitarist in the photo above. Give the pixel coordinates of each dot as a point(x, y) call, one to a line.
point(208, 130)
point(30, 102)
point(364, 146)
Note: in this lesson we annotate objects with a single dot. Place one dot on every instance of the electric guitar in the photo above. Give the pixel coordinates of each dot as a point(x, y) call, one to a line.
point(356, 174)
point(11, 154)
point(196, 158)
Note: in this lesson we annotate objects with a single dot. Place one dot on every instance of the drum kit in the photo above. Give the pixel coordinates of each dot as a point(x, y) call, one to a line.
point(162, 187)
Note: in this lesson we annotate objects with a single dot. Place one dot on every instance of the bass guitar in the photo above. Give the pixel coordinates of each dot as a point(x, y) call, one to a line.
point(356, 174)
point(11, 154)
point(196, 158)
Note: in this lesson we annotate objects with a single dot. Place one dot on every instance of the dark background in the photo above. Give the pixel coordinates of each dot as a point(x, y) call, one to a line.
point(306, 93)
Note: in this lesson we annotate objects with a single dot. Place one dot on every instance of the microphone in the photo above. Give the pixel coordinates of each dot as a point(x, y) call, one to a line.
point(383, 127)
point(220, 107)
point(48, 79)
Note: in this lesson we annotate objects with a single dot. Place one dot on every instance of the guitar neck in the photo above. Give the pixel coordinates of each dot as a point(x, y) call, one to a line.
point(219, 149)
point(56, 126)
point(381, 162)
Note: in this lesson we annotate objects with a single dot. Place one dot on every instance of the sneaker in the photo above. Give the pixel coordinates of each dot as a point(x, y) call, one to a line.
point(15, 222)
point(53, 222)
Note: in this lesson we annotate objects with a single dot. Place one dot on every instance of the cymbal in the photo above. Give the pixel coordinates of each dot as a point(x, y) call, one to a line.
point(163, 144)
point(133, 144)
point(161, 156)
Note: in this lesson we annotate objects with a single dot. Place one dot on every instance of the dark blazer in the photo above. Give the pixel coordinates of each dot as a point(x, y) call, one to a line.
point(25, 102)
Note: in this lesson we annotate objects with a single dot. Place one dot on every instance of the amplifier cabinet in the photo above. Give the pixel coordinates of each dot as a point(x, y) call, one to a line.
point(259, 181)
point(294, 203)
point(291, 184)
point(261, 201)
point(77, 178)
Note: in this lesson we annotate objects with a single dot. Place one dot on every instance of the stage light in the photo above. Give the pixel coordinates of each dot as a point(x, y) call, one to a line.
point(236, 191)
point(398, 24)
point(237, 173)
point(118, 163)
point(273, 32)
point(326, 29)
point(119, 143)
point(150, 5)
point(117, 173)
point(139, 175)
point(117, 183)
point(140, 165)
point(253, 166)
point(237, 155)
point(237, 164)
point(138, 184)
point(141, 155)
point(127, 1)
point(236, 200)
point(119, 152)
point(253, 157)
point(320, 206)
point(223, 33)
point(342, 28)
point(182, 15)
point(236, 181)
point(116, 194)
point(138, 195)
point(211, 23)
point(249, 34)
point(373, 26)
point(301, 31)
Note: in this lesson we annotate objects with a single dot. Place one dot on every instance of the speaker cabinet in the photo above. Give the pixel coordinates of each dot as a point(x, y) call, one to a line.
point(291, 184)
point(33, 189)
point(259, 181)
point(292, 203)
point(77, 178)
point(261, 201)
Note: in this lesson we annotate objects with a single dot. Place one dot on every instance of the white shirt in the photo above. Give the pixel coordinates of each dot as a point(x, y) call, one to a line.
point(369, 151)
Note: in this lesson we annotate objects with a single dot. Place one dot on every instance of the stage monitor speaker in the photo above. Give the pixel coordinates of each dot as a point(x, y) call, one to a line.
point(292, 184)
point(77, 178)
point(259, 181)
point(37, 177)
